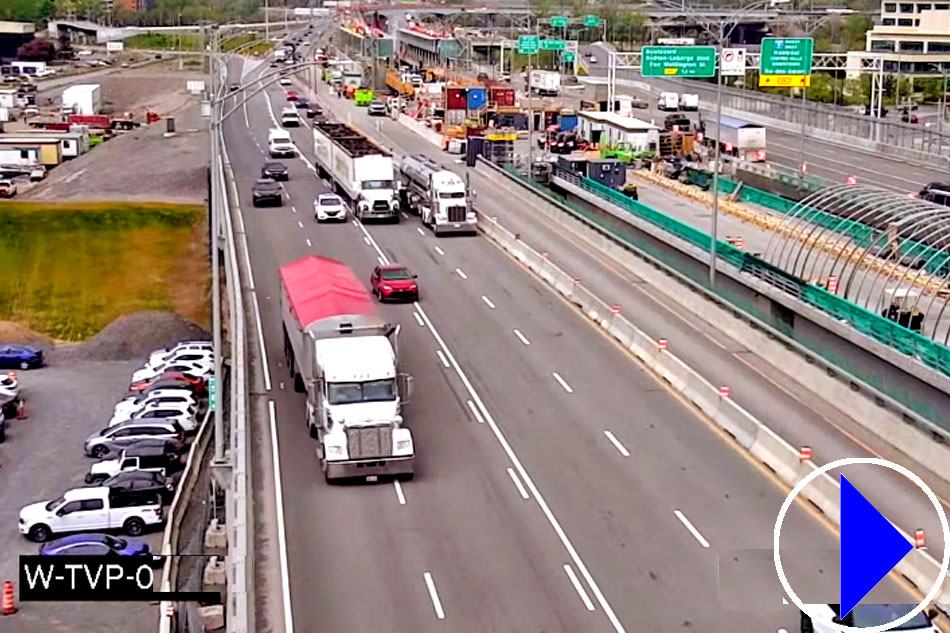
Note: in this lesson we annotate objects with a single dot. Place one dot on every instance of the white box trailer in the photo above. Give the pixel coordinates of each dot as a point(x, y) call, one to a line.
point(545, 82)
point(742, 139)
point(83, 98)
point(343, 354)
point(361, 170)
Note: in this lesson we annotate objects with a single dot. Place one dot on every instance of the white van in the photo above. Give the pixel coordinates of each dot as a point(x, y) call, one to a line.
point(689, 101)
point(279, 143)
point(669, 101)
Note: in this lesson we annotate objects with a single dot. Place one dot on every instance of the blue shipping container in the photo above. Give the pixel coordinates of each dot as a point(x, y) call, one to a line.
point(567, 123)
point(477, 98)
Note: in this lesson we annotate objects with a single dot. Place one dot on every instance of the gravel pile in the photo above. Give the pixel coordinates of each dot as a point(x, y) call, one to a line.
point(132, 337)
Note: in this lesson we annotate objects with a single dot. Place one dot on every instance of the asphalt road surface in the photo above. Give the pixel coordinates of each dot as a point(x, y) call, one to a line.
point(830, 161)
point(559, 488)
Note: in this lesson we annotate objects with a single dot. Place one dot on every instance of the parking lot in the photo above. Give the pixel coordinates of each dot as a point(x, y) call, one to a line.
point(42, 457)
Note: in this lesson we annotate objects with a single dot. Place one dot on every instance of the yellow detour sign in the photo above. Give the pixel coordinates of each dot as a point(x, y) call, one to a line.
point(784, 81)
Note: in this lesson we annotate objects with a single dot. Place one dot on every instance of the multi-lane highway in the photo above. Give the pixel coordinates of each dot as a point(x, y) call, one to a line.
point(830, 161)
point(559, 488)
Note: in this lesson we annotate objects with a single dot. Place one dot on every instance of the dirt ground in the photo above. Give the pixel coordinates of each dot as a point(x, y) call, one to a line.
point(146, 163)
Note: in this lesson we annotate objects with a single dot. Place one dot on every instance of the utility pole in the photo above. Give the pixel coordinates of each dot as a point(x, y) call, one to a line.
point(714, 228)
point(219, 448)
point(267, 20)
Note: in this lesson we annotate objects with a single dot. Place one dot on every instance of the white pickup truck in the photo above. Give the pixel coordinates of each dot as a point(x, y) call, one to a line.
point(85, 509)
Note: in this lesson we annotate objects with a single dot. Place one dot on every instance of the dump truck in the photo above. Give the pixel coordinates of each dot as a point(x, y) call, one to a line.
point(360, 169)
point(438, 196)
point(343, 355)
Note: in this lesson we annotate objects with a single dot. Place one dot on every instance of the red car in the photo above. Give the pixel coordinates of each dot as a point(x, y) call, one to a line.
point(194, 383)
point(394, 281)
point(292, 96)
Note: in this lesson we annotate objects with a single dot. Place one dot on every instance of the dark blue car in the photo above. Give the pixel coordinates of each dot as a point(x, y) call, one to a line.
point(94, 545)
point(20, 356)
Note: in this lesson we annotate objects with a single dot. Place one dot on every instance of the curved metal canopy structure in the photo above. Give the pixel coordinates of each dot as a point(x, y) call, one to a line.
point(886, 252)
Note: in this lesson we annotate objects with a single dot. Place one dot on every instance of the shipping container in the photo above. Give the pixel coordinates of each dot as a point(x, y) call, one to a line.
point(476, 98)
point(455, 99)
point(455, 117)
point(501, 96)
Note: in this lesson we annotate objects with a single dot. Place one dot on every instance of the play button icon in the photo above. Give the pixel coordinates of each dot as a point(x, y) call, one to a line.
point(870, 546)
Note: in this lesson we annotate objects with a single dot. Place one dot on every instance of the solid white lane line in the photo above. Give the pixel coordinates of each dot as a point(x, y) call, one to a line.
point(439, 251)
point(434, 595)
point(418, 319)
point(445, 363)
point(518, 484)
point(355, 223)
point(401, 497)
point(309, 243)
point(692, 529)
point(488, 302)
point(616, 442)
point(566, 386)
point(281, 529)
point(247, 123)
point(380, 260)
point(478, 416)
point(578, 587)
point(260, 342)
point(523, 338)
point(461, 273)
point(366, 239)
point(421, 232)
point(300, 223)
point(519, 467)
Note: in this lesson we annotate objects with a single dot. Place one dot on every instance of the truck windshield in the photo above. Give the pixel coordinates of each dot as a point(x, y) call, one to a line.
point(377, 184)
point(877, 614)
point(370, 391)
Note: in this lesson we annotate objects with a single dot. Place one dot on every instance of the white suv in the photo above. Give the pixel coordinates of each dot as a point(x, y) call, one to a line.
point(329, 206)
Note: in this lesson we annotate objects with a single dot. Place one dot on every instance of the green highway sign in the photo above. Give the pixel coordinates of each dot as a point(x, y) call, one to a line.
point(678, 61)
point(212, 392)
point(559, 21)
point(786, 56)
point(528, 44)
point(568, 57)
point(591, 20)
point(552, 45)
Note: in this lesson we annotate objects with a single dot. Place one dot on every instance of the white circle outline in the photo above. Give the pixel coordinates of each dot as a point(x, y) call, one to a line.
point(848, 461)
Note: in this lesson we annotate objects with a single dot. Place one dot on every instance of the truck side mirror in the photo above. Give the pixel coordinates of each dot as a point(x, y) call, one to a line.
point(404, 382)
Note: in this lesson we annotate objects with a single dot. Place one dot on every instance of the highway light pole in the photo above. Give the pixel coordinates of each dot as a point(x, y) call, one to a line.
point(721, 34)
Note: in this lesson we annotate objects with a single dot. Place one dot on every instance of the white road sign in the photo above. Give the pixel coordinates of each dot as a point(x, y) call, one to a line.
point(196, 86)
point(115, 47)
point(733, 62)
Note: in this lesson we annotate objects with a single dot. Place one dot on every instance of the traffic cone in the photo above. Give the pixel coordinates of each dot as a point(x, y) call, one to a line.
point(8, 607)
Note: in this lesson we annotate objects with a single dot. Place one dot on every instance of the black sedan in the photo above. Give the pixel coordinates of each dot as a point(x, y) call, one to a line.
point(20, 356)
point(141, 481)
point(314, 111)
point(274, 170)
point(302, 103)
point(267, 192)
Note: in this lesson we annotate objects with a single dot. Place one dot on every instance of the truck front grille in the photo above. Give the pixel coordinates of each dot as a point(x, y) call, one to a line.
point(370, 442)
point(457, 214)
point(380, 205)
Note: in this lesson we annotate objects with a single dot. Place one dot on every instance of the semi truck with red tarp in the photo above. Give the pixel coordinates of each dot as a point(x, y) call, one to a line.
point(343, 355)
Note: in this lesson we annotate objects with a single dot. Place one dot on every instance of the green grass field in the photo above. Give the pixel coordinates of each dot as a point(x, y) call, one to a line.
point(68, 270)
point(166, 41)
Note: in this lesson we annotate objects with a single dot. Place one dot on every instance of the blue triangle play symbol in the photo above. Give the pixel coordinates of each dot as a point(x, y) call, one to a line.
point(870, 546)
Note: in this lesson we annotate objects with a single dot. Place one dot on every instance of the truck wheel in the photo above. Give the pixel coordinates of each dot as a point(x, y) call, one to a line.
point(39, 533)
point(3, 433)
point(313, 431)
point(134, 526)
point(99, 452)
point(298, 383)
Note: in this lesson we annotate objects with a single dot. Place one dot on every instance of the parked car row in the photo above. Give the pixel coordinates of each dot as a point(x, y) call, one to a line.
point(140, 451)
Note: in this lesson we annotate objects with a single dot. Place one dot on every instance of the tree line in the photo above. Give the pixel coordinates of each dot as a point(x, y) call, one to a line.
point(161, 12)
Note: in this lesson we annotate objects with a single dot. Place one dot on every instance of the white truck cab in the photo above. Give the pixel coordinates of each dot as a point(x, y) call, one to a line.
point(86, 509)
point(868, 615)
